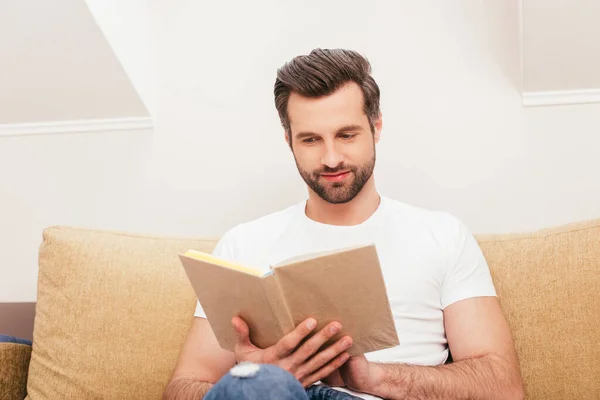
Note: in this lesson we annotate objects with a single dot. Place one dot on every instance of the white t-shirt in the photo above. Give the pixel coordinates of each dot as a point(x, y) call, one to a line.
point(429, 260)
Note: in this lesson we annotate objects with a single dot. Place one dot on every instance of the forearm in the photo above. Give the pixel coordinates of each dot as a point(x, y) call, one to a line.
point(186, 389)
point(487, 377)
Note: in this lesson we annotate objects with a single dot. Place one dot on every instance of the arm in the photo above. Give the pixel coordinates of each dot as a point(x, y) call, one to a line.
point(485, 362)
point(201, 363)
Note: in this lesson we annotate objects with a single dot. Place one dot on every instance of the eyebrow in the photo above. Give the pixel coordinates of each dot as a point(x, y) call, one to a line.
point(343, 129)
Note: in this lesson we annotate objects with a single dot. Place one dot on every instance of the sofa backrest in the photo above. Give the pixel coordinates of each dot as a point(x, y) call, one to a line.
point(548, 283)
point(113, 310)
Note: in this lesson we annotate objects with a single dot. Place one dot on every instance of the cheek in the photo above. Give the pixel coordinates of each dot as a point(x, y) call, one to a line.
point(359, 154)
point(308, 159)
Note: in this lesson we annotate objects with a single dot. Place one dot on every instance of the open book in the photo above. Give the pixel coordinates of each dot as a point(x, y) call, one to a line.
point(345, 285)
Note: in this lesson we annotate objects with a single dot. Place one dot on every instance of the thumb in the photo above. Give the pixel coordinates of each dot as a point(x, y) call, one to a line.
point(242, 332)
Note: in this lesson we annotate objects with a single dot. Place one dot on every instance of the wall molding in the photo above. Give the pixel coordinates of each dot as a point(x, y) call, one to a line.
point(561, 97)
point(77, 126)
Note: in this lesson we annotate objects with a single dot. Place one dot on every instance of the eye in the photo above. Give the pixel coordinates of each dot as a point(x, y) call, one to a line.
point(347, 136)
point(309, 140)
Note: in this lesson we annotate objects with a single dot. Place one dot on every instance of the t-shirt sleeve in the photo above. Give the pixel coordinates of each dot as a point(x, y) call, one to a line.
point(468, 275)
point(225, 248)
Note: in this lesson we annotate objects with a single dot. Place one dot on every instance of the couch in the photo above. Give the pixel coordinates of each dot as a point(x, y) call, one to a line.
point(113, 310)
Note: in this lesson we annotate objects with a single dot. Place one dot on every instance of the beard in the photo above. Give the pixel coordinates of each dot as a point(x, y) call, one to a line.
point(339, 192)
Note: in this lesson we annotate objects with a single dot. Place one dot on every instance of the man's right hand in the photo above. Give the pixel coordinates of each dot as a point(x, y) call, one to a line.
point(304, 362)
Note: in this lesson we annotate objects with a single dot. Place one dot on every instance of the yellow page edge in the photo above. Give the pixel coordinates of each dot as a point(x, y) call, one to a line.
point(198, 255)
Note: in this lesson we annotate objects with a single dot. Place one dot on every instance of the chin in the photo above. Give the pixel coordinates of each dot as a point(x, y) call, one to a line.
point(339, 201)
point(342, 199)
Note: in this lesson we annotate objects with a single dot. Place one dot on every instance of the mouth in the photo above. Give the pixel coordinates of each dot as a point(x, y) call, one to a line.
point(337, 177)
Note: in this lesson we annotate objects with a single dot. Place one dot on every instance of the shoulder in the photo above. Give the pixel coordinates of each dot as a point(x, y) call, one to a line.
point(443, 235)
point(267, 224)
point(443, 228)
point(256, 232)
point(438, 221)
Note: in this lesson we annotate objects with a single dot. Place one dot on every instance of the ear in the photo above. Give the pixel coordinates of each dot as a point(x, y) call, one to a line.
point(378, 125)
point(288, 138)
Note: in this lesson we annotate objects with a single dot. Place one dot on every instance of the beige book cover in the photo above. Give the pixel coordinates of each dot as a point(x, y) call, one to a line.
point(345, 285)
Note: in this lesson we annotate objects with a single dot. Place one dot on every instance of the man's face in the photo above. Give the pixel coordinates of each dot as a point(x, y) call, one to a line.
point(332, 142)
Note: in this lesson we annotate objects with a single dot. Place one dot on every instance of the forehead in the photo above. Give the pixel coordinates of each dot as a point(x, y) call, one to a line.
point(342, 107)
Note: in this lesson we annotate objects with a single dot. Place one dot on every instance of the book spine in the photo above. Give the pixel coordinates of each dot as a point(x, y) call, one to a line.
point(279, 308)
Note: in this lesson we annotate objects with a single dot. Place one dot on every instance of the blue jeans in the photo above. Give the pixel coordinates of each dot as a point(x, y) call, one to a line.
point(258, 382)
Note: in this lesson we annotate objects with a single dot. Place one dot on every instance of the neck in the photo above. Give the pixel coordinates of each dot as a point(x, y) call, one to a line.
point(355, 212)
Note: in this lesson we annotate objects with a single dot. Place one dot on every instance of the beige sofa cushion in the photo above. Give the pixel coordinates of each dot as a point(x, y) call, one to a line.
point(112, 313)
point(549, 287)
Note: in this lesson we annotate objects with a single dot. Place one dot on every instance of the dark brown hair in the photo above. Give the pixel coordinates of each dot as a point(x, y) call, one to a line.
point(321, 73)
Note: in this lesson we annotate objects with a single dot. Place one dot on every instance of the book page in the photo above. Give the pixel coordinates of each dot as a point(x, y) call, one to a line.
point(345, 286)
point(199, 255)
point(226, 292)
point(312, 255)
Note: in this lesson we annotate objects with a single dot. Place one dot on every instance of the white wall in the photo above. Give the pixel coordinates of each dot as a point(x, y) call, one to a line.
point(455, 134)
point(73, 179)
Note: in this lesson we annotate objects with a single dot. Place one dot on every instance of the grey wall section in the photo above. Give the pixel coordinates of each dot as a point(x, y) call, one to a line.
point(56, 65)
point(561, 50)
point(16, 319)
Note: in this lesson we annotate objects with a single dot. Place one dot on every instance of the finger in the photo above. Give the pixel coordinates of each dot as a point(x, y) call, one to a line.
point(325, 356)
point(287, 344)
point(325, 371)
point(312, 345)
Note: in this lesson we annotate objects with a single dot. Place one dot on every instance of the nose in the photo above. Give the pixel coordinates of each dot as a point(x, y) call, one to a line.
point(332, 156)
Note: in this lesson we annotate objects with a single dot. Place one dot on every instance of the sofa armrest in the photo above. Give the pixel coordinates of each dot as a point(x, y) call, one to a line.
point(14, 364)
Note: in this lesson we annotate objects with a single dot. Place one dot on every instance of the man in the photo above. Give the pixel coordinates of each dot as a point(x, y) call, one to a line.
point(441, 293)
